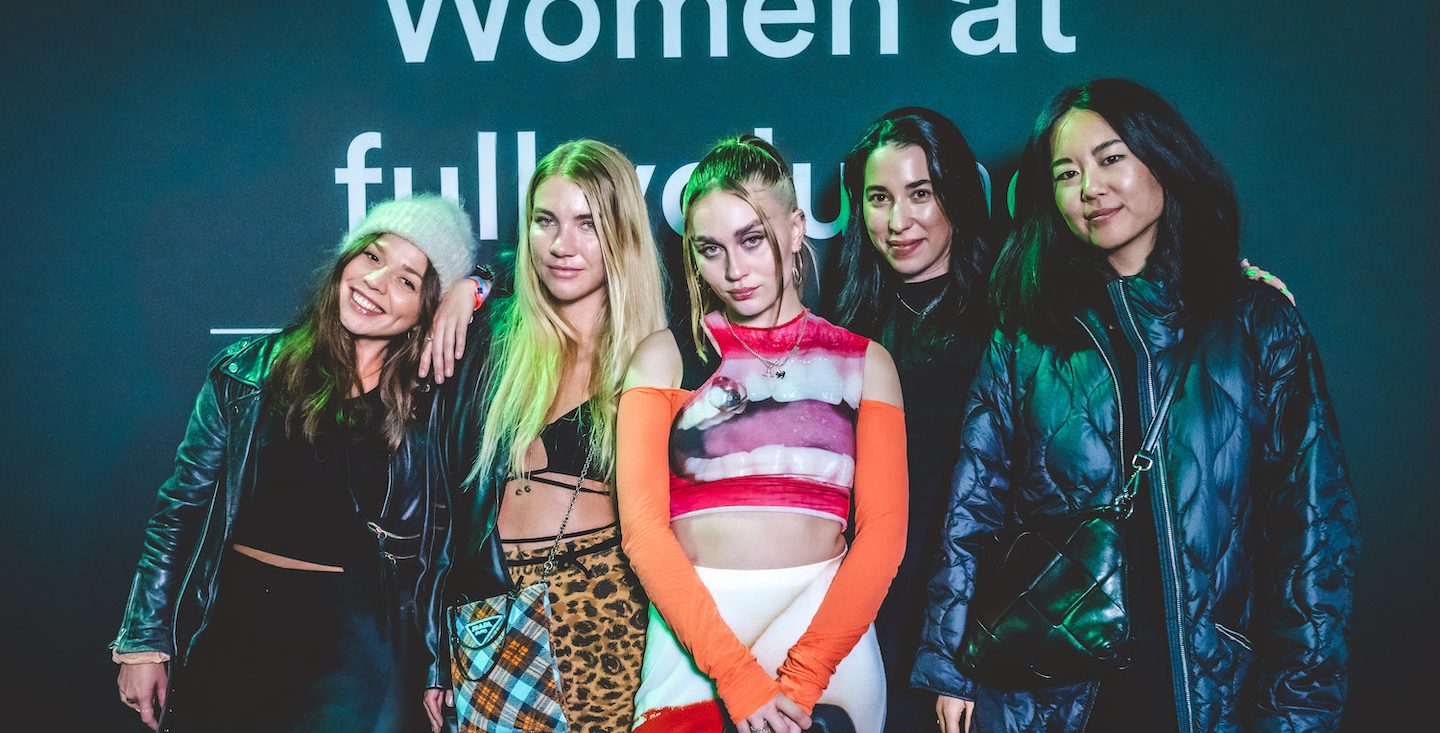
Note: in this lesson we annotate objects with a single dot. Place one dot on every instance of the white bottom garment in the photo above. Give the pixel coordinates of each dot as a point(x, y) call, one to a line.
point(768, 610)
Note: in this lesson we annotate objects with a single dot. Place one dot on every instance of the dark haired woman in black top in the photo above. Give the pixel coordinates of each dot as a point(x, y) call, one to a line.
point(276, 588)
point(914, 266)
point(1123, 268)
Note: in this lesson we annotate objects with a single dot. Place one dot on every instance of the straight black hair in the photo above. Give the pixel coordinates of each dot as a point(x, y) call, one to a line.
point(866, 298)
point(1043, 267)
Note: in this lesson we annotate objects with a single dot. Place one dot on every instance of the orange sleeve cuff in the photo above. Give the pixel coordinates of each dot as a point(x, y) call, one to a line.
point(643, 489)
point(882, 502)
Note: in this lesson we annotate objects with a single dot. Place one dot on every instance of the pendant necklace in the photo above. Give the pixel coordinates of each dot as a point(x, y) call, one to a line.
point(774, 368)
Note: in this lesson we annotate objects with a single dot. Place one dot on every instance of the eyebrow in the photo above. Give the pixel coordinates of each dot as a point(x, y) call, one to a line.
point(742, 231)
point(909, 186)
point(384, 250)
point(1094, 151)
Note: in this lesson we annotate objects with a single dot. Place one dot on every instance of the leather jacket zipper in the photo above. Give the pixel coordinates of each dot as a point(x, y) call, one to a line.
point(1094, 689)
point(1162, 499)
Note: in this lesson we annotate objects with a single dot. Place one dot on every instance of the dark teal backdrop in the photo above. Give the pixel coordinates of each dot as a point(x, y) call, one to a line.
point(172, 168)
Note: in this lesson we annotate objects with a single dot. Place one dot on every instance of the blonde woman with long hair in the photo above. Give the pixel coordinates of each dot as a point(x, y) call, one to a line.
point(534, 427)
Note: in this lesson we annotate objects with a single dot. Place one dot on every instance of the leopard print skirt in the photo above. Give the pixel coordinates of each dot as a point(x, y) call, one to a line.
point(598, 619)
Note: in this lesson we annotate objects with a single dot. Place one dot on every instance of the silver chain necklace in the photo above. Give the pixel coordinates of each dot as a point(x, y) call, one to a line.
point(929, 307)
point(774, 368)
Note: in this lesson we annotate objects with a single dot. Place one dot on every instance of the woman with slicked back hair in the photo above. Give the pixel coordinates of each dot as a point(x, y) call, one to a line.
point(750, 435)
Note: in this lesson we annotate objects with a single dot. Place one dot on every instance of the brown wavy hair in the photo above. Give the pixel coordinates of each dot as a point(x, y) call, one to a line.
point(314, 372)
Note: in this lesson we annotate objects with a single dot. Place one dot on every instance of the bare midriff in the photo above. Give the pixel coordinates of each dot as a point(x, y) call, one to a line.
point(537, 514)
point(280, 561)
point(758, 540)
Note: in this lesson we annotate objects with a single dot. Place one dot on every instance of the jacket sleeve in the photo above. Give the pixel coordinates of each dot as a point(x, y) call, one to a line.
point(182, 507)
point(1311, 540)
point(452, 517)
point(977, 504)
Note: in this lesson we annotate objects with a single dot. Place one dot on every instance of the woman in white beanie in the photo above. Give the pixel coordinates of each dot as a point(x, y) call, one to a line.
point(276, 586)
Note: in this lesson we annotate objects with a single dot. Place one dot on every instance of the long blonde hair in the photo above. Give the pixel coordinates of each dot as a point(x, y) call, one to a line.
point(733, 165)
point(533, 344)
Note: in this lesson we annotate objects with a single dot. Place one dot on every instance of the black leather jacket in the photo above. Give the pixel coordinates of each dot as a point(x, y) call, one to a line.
point(1254, 512)
point(466, 562)
point(185, 540)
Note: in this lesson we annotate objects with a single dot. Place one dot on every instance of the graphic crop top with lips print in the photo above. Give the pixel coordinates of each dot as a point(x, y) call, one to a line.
point(771, 437)
point(774, 422)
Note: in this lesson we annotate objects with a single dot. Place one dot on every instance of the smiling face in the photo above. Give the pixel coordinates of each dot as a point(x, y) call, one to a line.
point(380, 288)
point(736, 259)
point(1108, 198)
point(565, 243)
point(906, 222)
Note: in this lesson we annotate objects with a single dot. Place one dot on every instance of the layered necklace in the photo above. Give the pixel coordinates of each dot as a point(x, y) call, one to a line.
point(774, 368)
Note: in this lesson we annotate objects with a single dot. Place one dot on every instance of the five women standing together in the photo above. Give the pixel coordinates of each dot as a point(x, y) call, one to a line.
point(695, 527)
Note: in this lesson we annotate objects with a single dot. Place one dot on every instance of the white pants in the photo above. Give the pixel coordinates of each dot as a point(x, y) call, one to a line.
point(768, 610)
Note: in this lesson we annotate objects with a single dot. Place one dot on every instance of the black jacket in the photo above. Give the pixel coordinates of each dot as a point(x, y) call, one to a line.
point(466, 562)
point(215, 467)
point(1255, 517)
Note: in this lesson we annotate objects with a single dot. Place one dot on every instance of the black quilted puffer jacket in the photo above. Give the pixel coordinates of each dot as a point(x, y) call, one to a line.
point(1254, 511)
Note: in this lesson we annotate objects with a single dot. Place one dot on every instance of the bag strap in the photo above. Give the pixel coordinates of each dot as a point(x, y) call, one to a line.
point(1144, 458)
point(548, 568)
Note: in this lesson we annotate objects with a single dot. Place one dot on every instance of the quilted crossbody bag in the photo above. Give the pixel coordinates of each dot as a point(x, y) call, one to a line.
point(502, 664)
point(1050, 604)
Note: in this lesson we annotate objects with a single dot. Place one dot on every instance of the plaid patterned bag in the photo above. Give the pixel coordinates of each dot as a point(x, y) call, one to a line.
point(502, 664)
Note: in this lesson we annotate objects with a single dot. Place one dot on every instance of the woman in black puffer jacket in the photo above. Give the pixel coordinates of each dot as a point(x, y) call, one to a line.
point(1244, 540)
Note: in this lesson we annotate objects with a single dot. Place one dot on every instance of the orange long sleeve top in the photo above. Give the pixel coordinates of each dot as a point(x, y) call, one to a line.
point(669, 578)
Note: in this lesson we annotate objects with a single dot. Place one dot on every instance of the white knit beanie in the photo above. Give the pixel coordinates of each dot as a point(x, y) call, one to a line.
point(438, 226)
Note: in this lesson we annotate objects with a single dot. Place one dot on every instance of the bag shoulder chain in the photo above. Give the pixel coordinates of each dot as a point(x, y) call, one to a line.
point(548, 568)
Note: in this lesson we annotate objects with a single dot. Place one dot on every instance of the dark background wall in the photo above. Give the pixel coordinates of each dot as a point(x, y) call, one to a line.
point(172, 168)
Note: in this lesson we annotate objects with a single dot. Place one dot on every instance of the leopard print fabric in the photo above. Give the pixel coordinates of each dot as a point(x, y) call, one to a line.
point(598, 618)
